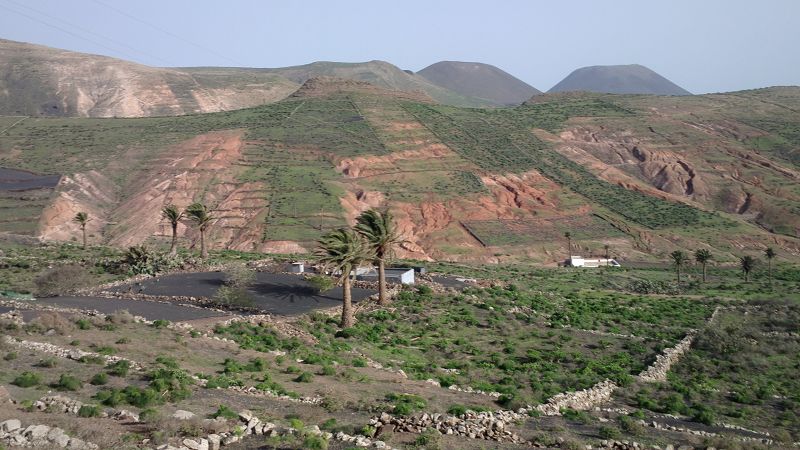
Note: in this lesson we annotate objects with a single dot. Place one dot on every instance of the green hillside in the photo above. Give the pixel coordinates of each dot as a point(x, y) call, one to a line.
point(293, 148)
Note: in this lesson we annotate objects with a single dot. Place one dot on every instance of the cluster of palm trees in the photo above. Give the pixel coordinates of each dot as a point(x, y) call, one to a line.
point(343, 250)
point(702, 256)
point(197, 213)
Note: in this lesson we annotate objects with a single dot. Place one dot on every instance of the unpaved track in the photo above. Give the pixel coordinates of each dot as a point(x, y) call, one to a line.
point(147, 309)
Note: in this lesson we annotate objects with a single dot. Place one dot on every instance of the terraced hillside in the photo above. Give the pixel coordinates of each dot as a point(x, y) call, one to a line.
point(643, 174)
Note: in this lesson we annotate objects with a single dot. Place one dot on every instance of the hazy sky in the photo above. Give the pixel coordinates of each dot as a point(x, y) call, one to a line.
point(702, 45)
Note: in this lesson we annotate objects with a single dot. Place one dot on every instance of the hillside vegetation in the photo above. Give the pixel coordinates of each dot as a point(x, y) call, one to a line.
point(644, 174)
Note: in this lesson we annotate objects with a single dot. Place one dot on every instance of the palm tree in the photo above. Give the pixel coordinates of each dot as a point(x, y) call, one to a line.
point(173, 216)
point(343, 250)
point(703, 256)
point(679, 260)
point(82, 219)
point(769, 253)
point(747, 263)
point(568, 235)
point(199, 213)
point(607, 247)
point(381, 234)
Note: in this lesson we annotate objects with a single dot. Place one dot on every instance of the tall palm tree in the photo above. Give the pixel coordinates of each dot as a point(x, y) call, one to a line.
point(343, 250)
point(379, 230)
point(703, 256)
point(82, 219)
point(770, 254)
point(172, 215)
point(201, 216)
point(747, 264)
point(679, 260)
point(568, 235)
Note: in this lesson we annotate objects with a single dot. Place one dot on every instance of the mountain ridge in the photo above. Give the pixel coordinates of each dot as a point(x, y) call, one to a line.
point(618, 79)
point(479, 80)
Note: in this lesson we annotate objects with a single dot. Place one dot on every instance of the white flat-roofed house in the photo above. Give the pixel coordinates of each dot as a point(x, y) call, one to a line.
point(580, 261)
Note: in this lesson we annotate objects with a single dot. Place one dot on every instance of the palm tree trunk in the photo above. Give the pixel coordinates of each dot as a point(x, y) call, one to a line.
point(769, 270)
point(203, 251)
point(678, 270)
point(83, 228)
point(347, 304)
point(173, 248)
point(383, 298)
point(704, 272)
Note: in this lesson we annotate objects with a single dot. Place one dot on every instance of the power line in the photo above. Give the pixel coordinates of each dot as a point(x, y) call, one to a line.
point(167, 32)
point(121, 44)
point(6, 7)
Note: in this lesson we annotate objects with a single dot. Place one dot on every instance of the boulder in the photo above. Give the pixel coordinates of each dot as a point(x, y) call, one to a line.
point(182, 415)
point(10, 425)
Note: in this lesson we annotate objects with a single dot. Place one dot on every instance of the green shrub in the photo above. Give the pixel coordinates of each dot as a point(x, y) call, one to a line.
point(89, 411)
point(92, 359)
point(296, 423)
point(313, 442)
point(119, 368)
point(224, 412)
point(609, 433)
point(68, 383)
point(630, 425)
point(47, 362)
point(703, 414)
point(160, 323)
point(328, 371)
point(405, 404)
point(148, 414)
point(27, 379)
point(83, 324)
point(320, 283)
point(99, 379)
point(10, 356)
point(305, 377)
point(328, 425)
point(293, 370)
point(359, 362)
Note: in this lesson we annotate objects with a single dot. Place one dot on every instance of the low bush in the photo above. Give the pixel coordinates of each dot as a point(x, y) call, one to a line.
point(320, 283)
point(47, 363)
point(609, 432)
point(405, 404)
point(224, 412)
point(314, 442)
point(68, 383)
point(89, 411)
point(119, 368)
point(99, 379)
point(305, 377)
point(61, 280)
point(27, 379)
point(53, 321)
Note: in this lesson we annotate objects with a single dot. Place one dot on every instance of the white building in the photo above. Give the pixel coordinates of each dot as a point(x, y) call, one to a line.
point(402, 275)
point(580, 261)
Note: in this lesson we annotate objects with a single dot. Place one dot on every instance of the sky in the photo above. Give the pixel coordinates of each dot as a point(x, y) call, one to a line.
point(702, 45)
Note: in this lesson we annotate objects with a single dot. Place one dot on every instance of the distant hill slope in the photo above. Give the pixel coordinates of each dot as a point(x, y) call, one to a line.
point(43, 81)
point(479, 80)
point(623, 79)
point(644, 174)
point(381, 74)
